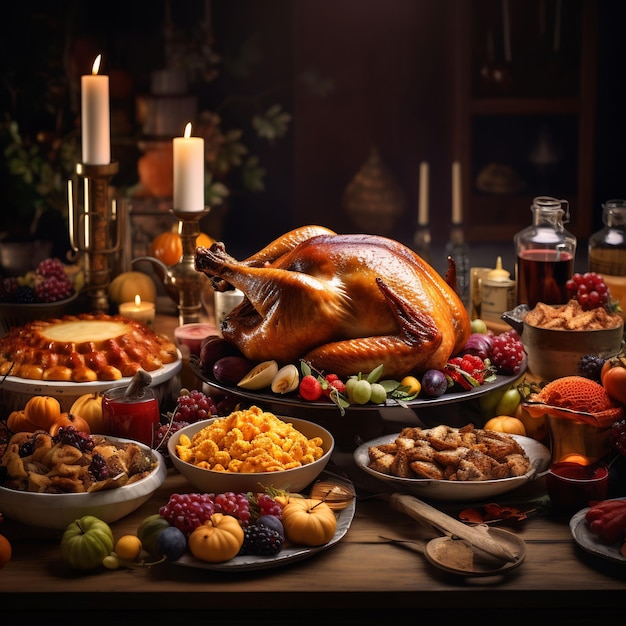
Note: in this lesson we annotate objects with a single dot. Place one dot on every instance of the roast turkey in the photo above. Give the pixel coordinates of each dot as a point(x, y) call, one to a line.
point(345, 303)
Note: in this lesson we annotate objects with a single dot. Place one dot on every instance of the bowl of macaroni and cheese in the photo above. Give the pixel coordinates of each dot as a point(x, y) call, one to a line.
point(251, 450)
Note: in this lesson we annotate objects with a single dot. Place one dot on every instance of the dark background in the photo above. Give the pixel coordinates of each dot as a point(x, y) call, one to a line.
point(390, 64)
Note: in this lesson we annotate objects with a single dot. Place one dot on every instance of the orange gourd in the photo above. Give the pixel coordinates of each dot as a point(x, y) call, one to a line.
point(506, 424)
point(168, 246)
point(613, 377)
point(308, 521)
point(68, 419)
point(89, 407)
point(217, 540)
point(17, 423)
point(42, 411)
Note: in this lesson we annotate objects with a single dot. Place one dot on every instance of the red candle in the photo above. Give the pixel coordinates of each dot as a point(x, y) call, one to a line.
point(133, 418)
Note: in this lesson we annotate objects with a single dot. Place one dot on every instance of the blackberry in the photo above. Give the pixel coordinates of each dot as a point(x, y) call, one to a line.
point(24, 295)
point(261, 540)
point(8, 288)
point(98, 467)
point(70, 436)
point(590, 366)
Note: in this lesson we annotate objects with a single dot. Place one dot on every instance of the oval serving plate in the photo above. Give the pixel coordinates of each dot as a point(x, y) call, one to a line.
point(292, 399)
point(289, 554)
point(458, 491)
point(594, 545)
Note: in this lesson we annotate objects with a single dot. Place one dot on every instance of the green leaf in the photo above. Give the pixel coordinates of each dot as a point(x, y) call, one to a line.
point(390, 385)
point(375, 374)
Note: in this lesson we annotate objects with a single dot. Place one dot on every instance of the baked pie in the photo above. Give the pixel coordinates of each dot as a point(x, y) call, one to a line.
point(83, 348)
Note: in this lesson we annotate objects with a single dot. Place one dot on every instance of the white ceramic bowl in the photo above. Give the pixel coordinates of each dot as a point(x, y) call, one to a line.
point(459, 491)
point(57, 510)
point(293, 480)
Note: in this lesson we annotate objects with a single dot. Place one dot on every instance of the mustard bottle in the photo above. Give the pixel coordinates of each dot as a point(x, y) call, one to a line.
point(497, 293)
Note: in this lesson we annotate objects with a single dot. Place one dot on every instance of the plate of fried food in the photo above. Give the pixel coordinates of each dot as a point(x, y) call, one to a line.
point(453, 464)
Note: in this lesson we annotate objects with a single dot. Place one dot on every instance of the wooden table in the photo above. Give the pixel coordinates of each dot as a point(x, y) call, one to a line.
point(362, 579)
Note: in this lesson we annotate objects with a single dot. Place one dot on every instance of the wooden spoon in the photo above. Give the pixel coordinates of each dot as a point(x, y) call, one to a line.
point(491, 544)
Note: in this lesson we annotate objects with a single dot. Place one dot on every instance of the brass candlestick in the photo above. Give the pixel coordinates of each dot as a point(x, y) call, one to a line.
point(184, 275)
point(96, 228)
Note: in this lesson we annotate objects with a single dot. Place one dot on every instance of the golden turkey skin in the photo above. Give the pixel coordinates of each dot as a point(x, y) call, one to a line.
point(345, 303)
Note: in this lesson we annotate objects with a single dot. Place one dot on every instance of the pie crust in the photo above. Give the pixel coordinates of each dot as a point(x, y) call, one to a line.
point(83, 348)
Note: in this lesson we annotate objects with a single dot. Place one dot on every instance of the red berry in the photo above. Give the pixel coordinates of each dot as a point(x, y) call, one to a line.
point(337, 384)
point(507, 354)
point(310, 388)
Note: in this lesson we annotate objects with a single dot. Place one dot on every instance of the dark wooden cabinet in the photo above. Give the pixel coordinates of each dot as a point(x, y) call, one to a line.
point(524, 110)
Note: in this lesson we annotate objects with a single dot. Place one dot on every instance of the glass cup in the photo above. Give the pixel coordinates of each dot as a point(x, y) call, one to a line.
point(572, 486)
point(133, 418)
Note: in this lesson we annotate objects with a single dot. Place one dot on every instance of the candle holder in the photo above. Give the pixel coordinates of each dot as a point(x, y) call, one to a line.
point(184, 275)
point(182, 281)
point(96, 228)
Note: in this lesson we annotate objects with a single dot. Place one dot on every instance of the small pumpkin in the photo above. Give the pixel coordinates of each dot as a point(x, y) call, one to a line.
point(69, 419)
point(125, 286)
point(89, 407)
point(17, 423)
point(168, 246)
point(43, 411)
point(85, 542)
point(309, 521)
point(613, 378)
point(217, 540)
point(506, 424)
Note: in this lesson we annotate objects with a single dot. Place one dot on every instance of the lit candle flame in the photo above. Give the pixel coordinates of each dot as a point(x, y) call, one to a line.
point(96, 65)
point(137, 300)
point(188, 130)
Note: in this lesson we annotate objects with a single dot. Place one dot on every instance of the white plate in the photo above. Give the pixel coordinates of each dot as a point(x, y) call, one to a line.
point(288, 554)
point(459, 491)
point(72, 388)
point(588, 541)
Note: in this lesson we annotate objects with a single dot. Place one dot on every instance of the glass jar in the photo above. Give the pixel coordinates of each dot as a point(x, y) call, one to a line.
point(545, 253)
point(607, 250)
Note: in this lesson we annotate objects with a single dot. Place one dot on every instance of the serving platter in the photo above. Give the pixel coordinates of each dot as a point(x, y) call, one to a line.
point(458, 491)
point(292, 400)
point(71, 388)
point(594, 545)
point(289, 554)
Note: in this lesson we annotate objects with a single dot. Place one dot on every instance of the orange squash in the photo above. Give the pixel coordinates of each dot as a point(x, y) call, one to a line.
point(308, 521)
point(89, 407)
point(168, 246)
point(506, 424)
point(43, 411)
point(68, 419)
point(218, 540)
point(17, 423)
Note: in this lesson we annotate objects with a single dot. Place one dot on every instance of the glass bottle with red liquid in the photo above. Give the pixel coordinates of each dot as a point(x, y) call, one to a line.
point(545, 254)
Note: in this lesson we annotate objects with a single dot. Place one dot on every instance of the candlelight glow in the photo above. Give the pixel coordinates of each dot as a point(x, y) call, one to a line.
point(188, 130)
point(137, 300)
point(96, 65)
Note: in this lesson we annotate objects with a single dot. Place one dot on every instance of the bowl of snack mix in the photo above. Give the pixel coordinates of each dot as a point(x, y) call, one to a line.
point(556, 337)
point(251, 450)
point(49, 484)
